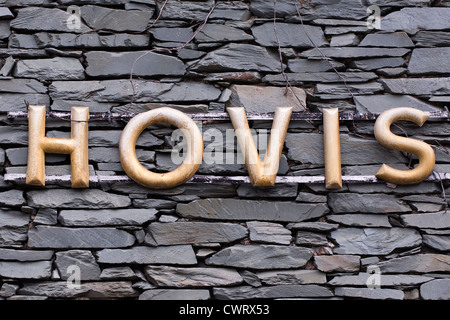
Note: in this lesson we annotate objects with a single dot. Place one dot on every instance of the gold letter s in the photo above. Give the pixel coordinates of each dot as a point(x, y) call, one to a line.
point(419, 148)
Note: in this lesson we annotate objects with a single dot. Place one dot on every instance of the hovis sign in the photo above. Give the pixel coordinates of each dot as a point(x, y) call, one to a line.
point(262, 173)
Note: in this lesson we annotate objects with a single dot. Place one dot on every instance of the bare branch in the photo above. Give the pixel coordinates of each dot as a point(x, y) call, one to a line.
point(288, 84)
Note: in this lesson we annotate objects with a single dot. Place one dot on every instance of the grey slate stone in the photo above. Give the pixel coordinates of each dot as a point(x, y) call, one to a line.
point(380, 103)
point(438, 289)
point(16, 101)
point(233, 209)
point(438, 220)
point(437, 242)
point(432, 39)
point(261, 257)
point(175, 294)
point(344, 40)
point(420, 188)
point(50, 170)
point(143, 107)
point(50, 69)
point(374, 241)
point(272, 292)
point(297, 79)
point(356, 151)
point(13, 227)
point(360, 220)
point(121, 91)
point(177, 255)
point(165, 276)
point(250, 278)
point(89, 269)
point(118, 273)
point(345, 9)
point(412, 20)
point(377, 294)
point(235, 11)
point(278, 191)
point(45, 19)
point(222, 33)
point(289, 35)
point(385, 280)
point(13, 198)
point(238, 57)
point(101, 18)
point(257, 99)
point(19, 156)
point(313, 226)
point(305, 65)
point(5, 13)
point(392, 72)
point(310, 198)
point(25, 255)
point(110, 138)
point(418, 263)
point(172, 34)
point(390, 40)
point(72, 198)
point(399, 3)
point(8, 289)
point(113, 64)
point(236, 77)
point(268, 232)
point(282, 277)
point(308, 238)
point(19, 297)
point(337, 263)
point(22, 86)
point(426, 61)
point(172, 233)
point(25, 270)
point(93, 290)
point(340, 91)
point(69, 238)
point(377, 63)
point(426, 207)
point(71, 40)
point(154, 203)
point(428, 86)
point(95, 218)
point(4, 30)
point(341, 30)
point(7, 67)
point(354, 52)
point(185, 10)
point(367, 203)
point(47, 216)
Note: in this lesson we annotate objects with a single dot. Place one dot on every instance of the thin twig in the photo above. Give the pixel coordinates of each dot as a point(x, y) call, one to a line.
point(444, 195)
point(441, 147)
point(406, 135)
point(157, 18)
point(286, 79)
point(323, 55)
point(168, 49)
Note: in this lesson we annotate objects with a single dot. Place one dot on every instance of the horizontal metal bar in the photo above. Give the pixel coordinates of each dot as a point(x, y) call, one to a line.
point(20, 178)
point(296, 116)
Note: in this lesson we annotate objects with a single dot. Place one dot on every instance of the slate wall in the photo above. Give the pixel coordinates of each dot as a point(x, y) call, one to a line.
point(224, 241)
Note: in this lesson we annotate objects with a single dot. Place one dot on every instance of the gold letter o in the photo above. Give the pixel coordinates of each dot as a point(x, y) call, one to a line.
point(137, 172)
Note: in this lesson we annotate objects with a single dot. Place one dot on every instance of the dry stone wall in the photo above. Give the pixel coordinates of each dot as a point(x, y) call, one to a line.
point(224, 240)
